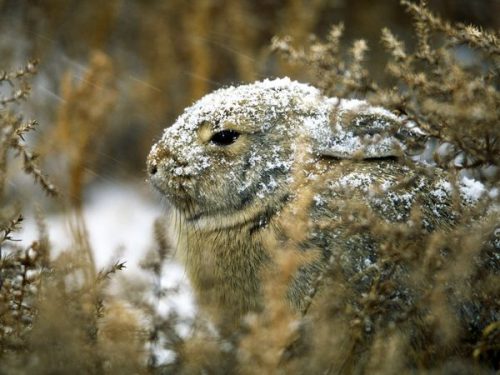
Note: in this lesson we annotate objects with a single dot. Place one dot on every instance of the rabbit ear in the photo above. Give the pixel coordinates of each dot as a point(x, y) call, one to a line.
point(358, 130)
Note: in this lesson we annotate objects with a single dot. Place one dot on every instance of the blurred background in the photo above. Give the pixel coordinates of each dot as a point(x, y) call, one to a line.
point(114, 73)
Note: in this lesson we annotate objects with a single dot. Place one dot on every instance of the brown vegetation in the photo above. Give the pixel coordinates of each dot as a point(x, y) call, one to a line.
point(56, 313)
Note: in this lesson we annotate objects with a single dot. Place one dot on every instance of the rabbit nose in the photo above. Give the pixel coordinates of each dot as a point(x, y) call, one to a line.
point(161, 155)
point(155, 157)
point(152, 169)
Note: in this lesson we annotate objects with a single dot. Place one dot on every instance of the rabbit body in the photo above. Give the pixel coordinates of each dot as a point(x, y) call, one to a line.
point(236, 163)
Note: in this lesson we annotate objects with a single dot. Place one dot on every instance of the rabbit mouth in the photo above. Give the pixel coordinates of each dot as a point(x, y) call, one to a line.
point(177, 188)
point(180, 198)
point(255, 215)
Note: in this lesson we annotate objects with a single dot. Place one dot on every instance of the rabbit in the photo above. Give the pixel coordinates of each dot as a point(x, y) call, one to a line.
point(234, 165)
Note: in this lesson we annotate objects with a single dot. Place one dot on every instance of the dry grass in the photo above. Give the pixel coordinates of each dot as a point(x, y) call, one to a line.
point(56, 312)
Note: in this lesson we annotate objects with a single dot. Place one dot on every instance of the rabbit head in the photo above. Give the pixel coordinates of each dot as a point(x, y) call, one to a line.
point(237, 145)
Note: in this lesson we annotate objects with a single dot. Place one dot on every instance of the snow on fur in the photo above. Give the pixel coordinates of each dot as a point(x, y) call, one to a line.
point(264, 102)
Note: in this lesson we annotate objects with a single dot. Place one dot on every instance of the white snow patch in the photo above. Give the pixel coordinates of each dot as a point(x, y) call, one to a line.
point(471, 190)
point(493, 193)
point(361, 106)
point(355, 179)
point(442, 191)
point(386, 185)
point(318, 199)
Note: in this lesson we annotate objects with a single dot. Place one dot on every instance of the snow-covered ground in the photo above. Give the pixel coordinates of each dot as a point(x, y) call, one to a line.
point(119, 220)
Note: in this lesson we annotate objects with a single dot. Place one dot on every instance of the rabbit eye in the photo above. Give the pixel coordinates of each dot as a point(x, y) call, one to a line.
point(225, 137)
